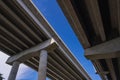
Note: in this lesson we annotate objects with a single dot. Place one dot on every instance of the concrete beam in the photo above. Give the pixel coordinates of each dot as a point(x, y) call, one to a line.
point(12, 26)
point(114, 7)
point(29, 12)
point(6, 47)
point(99, 69)
point(72, 17)
point(95, 16)
point(61, 68)
point(48, 45)
point(13, 36)
point(9, 42)
point(111, 69)
point(54, 74)
point(12, 14)
point(73, 75)
point(57, 71)
point(109, 49)
point(118, 64)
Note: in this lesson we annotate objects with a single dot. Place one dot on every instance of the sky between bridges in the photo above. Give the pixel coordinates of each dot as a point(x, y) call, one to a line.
point(52, 12)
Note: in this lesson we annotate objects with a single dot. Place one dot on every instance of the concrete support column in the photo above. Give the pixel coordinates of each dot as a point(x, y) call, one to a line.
point(42, 65)
point(14, 71)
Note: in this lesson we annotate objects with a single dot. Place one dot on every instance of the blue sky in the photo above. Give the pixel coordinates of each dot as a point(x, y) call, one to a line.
point(52, 12)
point(54, 15)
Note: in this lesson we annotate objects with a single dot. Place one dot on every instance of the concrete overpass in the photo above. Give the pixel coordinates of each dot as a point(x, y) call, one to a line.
point(97, 26)
point(27, 37)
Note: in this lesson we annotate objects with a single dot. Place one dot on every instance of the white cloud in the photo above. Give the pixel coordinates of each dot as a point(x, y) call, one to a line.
point(4, 68)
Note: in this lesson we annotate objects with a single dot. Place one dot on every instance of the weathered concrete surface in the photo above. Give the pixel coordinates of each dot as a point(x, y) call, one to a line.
point(42, 65)
point(14, 71)
point(109, 49)
point(34, 51)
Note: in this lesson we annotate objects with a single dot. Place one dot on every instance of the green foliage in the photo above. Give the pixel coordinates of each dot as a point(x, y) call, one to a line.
point(1, 78)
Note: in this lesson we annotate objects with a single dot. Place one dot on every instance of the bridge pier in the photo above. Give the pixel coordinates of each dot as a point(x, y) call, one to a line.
point(14, 70)
point(41, 70)
point(42, 65)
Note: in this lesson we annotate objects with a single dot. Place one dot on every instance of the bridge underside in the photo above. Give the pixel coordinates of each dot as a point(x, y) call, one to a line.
point(97, 26)
point(22, 28)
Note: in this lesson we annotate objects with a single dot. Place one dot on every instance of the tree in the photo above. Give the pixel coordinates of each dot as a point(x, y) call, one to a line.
point(1, 78)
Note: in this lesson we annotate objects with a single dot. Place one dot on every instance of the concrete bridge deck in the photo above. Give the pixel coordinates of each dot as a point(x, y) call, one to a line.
point(25, 35)
point(97, 26)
